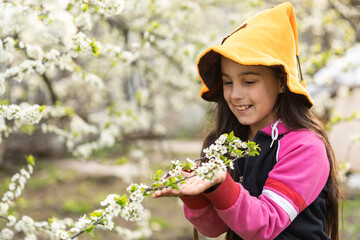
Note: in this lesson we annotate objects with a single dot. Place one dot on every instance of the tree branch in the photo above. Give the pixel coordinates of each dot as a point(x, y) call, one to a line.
point(344, 14)
point(4, 218)
point(54, 98)
point(83, 230)
point(180, 180)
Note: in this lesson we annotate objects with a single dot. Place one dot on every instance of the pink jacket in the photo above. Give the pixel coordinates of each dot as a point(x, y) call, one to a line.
point(299, 175)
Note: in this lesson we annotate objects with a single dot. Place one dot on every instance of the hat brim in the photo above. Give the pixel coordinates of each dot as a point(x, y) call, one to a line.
point(209, 68)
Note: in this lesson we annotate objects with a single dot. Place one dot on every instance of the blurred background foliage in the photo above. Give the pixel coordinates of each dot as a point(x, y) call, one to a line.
point(149, 105)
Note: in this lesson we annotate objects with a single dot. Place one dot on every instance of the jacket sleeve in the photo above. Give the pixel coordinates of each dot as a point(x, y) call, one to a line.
point(294, 183)
point(202, 214)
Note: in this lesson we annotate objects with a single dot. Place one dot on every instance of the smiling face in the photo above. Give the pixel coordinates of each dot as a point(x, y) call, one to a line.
point(251, 93)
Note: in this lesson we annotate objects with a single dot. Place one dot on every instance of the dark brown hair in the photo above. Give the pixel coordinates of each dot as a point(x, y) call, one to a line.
point(293, 110)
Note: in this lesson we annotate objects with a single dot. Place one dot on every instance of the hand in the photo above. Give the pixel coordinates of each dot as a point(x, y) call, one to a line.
point(193, 186)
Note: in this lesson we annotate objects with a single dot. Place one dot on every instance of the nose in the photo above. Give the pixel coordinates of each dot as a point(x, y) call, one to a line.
point(237, 92)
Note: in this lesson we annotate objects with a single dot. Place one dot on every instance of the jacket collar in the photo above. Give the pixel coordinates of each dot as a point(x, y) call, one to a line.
point(281, 128)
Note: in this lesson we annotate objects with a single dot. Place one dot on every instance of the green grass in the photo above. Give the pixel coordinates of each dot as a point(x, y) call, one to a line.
point(159, 222)
point(60, 193)
point(119, 148)
point(351, 215)
point(76, 206)
point(50, 176)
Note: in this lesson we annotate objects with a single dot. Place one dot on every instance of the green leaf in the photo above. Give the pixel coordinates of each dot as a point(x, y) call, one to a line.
point(122, 201)
point(171, 180)
point(90, 230)
point(86, 7)
point(69, 7)
point(94, 48)
point(4, 102)
point(158, 175)
point(69, 111)
point(107, 125)
point(175, 186)
point(51, 220)
point(96, 214)
point(75, 134)
point(230, 137)
point(253, 149)
point(31, 160)
point(335, 119)
point(138, 96)
point(133, 188)
point(187, 166)
point(29, 129)
point(251, 154)
point(155, 185)
point(239, 153)
point(166, 183)
point(328, 127)
point(103, 221)
point(227, 162)
point(122, 160)
point(146, 194)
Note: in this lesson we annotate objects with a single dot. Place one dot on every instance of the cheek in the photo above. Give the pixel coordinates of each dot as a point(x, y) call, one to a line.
point(267, 92)
point(226, 93)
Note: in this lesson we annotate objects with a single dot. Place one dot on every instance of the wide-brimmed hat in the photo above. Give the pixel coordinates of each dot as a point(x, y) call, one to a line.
point(269, 38)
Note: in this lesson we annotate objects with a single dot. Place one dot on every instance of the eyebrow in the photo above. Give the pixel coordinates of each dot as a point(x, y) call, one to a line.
point(242, 74)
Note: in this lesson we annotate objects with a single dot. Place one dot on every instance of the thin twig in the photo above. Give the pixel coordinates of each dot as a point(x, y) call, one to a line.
point(162, 187)
point(82, 231)
point(53, 95)
point(181, 180)
point(168, 173)
point(5, 218)
point(341, 9)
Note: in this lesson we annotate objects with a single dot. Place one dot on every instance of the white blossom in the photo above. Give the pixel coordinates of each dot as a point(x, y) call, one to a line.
point(63, 235)
point(25, 224)
point(6, 55)
point(12, 221)
point(4, 207)
point(221, 140)
point(191, 163)
point(53, 41)
point(12, 186)
point(2, 83)
point(84, 20)
point(9, 43)
point(34, 52)
point(31, 115)
point(110, 7)
point(94, 80)
point(30, 237)
point(6, 234)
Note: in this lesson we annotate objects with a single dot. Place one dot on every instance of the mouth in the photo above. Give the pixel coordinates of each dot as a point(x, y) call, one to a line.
point(242, 107)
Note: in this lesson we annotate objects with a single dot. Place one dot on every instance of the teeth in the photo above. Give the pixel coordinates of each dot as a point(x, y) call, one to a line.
point(242, 107)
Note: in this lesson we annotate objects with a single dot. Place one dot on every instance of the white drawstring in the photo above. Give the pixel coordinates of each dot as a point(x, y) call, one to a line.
point(274, 132)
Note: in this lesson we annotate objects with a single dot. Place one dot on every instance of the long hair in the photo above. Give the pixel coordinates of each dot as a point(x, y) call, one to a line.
point(293, 110)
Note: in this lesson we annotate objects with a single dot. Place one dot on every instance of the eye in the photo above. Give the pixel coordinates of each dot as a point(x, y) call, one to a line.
point(249, 82)
point(227, 82)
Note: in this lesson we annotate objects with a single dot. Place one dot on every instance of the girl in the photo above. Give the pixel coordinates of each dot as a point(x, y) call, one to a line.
point(289, 191)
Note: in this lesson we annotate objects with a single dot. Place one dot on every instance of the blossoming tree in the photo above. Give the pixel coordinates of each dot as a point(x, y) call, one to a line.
point(94, 72)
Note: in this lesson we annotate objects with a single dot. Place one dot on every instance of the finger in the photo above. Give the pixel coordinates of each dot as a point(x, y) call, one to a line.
point(166, 192)
point(187, 174)
point(156, 194)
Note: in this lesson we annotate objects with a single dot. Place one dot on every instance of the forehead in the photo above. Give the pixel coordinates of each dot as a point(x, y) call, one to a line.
point(228, 65)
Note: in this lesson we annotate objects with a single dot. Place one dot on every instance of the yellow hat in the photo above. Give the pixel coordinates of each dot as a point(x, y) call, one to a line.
point(269, 38)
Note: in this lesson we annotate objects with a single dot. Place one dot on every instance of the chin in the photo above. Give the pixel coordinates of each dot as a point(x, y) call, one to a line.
point(244, 122)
